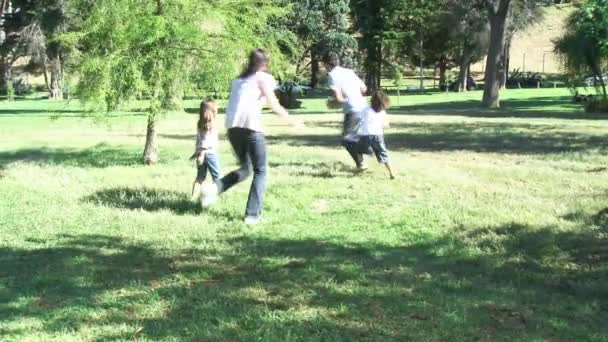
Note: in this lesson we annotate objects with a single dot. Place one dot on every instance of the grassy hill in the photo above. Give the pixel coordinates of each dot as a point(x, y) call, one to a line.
point(532, 45)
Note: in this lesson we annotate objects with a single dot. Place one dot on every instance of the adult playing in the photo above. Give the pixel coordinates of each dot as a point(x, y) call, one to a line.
point(249, 93)
point(348, 91)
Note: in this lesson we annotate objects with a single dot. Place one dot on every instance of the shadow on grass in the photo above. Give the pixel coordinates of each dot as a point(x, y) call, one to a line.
point(467, 136)
point(145, 199)
point(314, 169)
point(43, 113)
point(98, 156)
point(474, 284)
point(555, 107)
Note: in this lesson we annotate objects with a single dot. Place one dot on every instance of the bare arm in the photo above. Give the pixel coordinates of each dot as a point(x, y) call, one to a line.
point(363, 88)
point(339, 96)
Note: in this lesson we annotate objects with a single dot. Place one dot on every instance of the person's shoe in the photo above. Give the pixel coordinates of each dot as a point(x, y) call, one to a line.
point(209, 196)
point(196, 192)
point(362, 167)
point(252, 220)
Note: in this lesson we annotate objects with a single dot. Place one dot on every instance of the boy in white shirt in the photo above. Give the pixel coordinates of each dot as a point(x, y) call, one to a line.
point(348, 91)
point(371, 137)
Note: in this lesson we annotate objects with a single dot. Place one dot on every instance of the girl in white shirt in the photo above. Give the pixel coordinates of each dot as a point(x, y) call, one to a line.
point(246, 133)
point(373, 121)
point(205, 150)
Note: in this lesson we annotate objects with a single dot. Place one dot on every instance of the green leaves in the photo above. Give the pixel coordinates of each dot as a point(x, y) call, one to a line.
point(584, 46)
point(142, 48)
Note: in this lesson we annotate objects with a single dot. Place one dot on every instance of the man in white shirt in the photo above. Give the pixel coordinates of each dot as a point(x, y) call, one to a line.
point(348, 90)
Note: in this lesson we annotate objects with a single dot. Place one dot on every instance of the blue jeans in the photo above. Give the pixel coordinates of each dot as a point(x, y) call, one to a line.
point(350, 126)
point(211, 164)
point(250, 149)
point(374, 143)
point(367, 144)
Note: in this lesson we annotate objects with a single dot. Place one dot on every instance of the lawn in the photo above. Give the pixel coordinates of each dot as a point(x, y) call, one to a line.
point(496, 228)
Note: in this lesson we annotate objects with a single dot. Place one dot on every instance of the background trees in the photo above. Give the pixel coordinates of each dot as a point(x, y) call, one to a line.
point(127, 49)
point(584, 47)
point(159, 50)
point(321, 25)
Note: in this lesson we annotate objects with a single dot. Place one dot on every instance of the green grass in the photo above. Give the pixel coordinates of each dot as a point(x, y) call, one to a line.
point(496, 229)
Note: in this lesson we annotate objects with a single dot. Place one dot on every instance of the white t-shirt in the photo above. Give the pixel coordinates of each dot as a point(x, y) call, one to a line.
point(245, 106)
point(350, 84)
point(372, 122)
point(207, 140)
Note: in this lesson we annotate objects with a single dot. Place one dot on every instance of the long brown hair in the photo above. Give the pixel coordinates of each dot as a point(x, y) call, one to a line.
point(258, 59)
point(208, 112)
point(380, 101)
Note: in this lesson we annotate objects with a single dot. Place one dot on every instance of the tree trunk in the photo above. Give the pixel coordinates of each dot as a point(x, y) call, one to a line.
point(379, 74)
point(373, 65)
point(56, 89)
point(151, 149)
point(498, 25)
point(463, 75)
point(7, 74)
point(504, 64)
point(314, 69)
point(45, 74)
point(443, 74)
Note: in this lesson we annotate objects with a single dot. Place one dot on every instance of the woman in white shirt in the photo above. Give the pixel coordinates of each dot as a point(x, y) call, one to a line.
point(248, 94)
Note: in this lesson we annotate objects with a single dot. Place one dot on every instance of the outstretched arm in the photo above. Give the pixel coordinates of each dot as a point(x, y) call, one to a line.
point(363, 88)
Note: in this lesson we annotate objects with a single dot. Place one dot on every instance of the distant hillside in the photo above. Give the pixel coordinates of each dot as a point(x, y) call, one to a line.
point(531, 45)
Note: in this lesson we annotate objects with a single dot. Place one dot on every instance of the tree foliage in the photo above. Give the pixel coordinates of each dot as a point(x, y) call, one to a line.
point(320, 26)
point(584, 46)
point(391, 25)
point(127, 49)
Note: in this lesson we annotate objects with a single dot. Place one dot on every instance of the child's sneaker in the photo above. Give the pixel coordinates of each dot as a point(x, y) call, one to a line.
point(252, 220)
point(209, 196)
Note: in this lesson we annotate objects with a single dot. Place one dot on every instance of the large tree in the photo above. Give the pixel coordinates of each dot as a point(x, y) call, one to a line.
point(321, 25)
point(500, 16)
point(469, 29)
point(31, 30)
point(498, 13)
point(127, 49)
point(389, 23)
point(584, 46)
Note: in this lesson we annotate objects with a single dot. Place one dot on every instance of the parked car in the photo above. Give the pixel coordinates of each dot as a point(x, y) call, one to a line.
point(594, 81)
point(292, 87)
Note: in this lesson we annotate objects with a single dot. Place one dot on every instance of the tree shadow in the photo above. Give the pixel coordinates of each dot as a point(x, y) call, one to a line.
point(473, 284)
point(487, 137)
point(98, 156)
point(145, 199)
point(43, 113)
point(325, 170)
point(537, 107)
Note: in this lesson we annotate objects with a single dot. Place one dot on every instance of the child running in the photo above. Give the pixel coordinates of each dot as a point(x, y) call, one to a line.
point(372, 131)
point(206, 146)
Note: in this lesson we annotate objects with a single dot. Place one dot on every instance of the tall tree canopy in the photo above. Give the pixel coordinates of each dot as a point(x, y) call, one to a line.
point(126, 49)
point(321, 25)
point(387, 23)
point(584, 46)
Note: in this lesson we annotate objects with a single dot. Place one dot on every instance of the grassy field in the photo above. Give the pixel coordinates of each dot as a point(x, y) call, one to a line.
point(496, 229)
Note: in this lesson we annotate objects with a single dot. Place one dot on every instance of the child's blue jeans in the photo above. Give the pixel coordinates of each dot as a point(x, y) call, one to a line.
point(211, 164)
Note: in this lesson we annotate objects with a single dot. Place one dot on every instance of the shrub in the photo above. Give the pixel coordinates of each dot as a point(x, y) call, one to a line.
point(597, 105)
